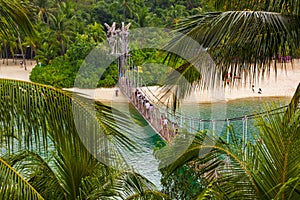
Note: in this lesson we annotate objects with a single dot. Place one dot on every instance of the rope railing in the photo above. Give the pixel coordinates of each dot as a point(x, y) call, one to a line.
point(168, 124)
point(158, 100)
point(153, 109)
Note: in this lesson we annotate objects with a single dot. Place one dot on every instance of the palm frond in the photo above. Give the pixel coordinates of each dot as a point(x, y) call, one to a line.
point(221, 167)
point(290, 7)
point(243, 36)
point(265, 168)
point(39, 117)
point(39, 172)
point(293, 106)
point(13, 185)
point(64, 137)
point(134, 186)
point(245, 44)
point(277, 153)
point(14, 16)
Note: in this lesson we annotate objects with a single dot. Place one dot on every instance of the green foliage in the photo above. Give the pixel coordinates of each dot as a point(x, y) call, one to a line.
point(47, 157)
point(154, 71)
point(265, 168)
point(96, 32)
point(59, 73)
point(109, 78)
point(82, 46)
point(14, 17)
point(184, 183)
point(62, 70)
point(13, 185)
point(71, 29)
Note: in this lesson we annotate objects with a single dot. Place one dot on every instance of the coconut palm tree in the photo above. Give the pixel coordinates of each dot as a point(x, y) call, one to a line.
point(14, 16)
point(53, 146)
point(9, 46)
point(248, 37)
point(42, 153)
point(14, 13)
point(61, 27)
point(266, 168)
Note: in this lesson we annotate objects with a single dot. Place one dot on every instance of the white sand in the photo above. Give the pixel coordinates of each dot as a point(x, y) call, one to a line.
point(285, 85)
point(14, 71)
point(282, 85)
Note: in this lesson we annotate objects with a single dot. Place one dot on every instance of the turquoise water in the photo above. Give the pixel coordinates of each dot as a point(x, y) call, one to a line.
point(234, 108)
point(142, 159)
point(234, 111)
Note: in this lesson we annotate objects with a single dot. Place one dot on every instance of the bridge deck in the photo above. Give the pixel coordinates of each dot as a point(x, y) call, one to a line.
point(159, 122)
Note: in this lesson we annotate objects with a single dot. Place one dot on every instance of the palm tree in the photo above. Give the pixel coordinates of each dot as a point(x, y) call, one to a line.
point(14, 16)
point(44, 155)
point(125, 7)
point(43, 9)
point(244, 36)
point(266, 168)
point(32, 43)
point(9, 46)
point(61, 27)
point(12, 13)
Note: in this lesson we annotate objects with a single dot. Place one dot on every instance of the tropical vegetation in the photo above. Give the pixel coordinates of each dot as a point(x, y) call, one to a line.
point(242, 37)
point(55, 146)
point(64, 27)
point(264, 168)
point(251, 38)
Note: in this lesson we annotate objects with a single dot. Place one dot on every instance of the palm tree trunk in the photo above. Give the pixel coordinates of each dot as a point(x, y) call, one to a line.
point(6, 52)
point(22, 52)
point(62, 47)
point(31, 53)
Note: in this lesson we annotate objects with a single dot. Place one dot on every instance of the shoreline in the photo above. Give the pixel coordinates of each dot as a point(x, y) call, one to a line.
point(107, 96)
point(282, 86)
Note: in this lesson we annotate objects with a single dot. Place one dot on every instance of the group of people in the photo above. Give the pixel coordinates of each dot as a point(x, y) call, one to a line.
point(143, 104)
point(166, 128)
point(259, 90)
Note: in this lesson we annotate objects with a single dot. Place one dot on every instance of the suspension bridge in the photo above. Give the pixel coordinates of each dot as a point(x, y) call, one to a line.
point(165, 123)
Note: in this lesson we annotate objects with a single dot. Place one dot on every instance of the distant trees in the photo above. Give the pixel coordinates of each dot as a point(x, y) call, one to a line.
point(41, 153)
point(71, 29)
point(15, 21)
point(57, 22)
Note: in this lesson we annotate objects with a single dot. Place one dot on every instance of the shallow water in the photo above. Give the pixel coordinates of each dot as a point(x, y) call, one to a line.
point(142, 159)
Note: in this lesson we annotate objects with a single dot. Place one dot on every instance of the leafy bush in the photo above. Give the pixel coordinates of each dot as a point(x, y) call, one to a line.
point(62, 73)
point(59, 73)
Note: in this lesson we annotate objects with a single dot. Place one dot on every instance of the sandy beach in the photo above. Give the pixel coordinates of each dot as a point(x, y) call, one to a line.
point(12, 69)
point(283, 86)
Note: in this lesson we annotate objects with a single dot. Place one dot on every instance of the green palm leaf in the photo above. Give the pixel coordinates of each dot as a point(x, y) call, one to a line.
point(13, 185)
point(267, 168)
point(236, 41)
point(63, 128)
point(134, 186)
point(242, 37)
point(14, 18)
point(36, 114)
point(278, 154)
point(38, 172)
point(290, 7)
